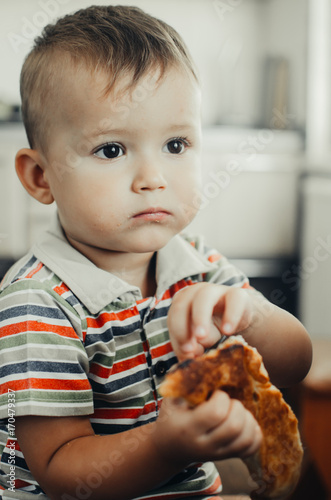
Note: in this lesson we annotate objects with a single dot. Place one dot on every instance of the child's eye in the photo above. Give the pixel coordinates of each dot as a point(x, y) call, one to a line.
point(109, 151)
point(176, 146)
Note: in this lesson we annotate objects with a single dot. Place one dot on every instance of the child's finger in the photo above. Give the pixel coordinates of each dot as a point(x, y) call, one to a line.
point(228, 304)
point(246, 443)
point(212, 413)
point(239, 434)
point(236, 311)
point(179, 321)
point(255, 444)
point(203, 304)
point(195, 309)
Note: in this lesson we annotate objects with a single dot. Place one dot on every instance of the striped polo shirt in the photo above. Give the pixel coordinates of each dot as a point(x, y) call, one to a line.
point(78, 340)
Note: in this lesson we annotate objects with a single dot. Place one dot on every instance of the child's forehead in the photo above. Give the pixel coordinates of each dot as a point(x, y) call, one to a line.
point(102, 83)
point(86, 106)
point(97, 85)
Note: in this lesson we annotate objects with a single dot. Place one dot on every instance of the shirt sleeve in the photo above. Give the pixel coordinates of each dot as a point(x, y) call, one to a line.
point(224, 272)
point(43, 361)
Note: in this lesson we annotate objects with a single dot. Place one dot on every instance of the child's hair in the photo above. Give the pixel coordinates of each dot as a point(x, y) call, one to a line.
point(117, 39)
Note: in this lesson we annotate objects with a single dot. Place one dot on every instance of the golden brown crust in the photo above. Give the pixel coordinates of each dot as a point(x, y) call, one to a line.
point(237, 369)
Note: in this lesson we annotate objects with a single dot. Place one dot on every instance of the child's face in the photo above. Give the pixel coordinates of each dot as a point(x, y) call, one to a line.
point(125, 169)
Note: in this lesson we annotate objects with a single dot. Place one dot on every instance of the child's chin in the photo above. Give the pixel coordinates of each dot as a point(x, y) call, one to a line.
point(152, 244)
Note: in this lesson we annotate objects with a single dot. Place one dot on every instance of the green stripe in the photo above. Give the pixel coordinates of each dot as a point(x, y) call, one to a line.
point(46, 289)
point(129, 351)
point(45, 338)
point(47, 396)
point(159, 338)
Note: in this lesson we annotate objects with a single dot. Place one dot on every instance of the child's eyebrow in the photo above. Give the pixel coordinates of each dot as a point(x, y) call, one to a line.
point(99, 132)
point(181, 126)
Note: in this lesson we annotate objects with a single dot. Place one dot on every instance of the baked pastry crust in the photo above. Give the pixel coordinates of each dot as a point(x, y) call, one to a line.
point(237, 368)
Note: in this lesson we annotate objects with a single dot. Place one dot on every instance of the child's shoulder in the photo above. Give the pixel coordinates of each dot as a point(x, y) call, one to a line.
point(29, 266)
point(29, 278)
point(31, 288)
point(199, 244)
point(223, 272)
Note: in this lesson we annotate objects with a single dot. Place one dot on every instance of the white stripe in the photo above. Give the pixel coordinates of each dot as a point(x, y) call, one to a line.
point(101, 397)
point(49, 276)
point(163, 303)
point(157, 332)
point(51, 404)
point(121, 375)
point(123, 421)
point(38, 292)
point(51, 347)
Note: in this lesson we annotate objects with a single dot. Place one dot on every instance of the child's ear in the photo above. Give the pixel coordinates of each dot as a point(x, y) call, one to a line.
point(32, 175)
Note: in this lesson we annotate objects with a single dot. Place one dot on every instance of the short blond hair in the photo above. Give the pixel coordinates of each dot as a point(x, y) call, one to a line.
point(117, 39)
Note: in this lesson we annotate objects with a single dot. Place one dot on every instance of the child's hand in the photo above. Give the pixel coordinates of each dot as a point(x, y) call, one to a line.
point(201, 313)
point(216, 429)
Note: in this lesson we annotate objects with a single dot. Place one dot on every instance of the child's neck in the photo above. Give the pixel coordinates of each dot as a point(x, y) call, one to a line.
point(136, 269)
point(141, 273)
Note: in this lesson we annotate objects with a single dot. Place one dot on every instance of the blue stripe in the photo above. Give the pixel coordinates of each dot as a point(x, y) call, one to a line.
point(72, 300)
point(160, 312)
point(115, 385)
point(111, 428)
point(25, 268)
point(40, 366)
point(32, 310)
point(19, 461)
point(111, 332)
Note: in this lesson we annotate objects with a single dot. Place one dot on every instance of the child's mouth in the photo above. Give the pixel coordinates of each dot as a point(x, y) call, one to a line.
point(152, 214)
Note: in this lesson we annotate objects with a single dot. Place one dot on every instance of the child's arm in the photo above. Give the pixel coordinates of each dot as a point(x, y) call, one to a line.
point(201, 313)
point(67, 458)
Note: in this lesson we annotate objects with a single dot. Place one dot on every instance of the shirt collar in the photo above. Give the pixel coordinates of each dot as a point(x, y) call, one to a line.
point(96, 288)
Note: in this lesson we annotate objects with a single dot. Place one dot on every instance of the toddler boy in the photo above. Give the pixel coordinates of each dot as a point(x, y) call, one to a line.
point(112, 295)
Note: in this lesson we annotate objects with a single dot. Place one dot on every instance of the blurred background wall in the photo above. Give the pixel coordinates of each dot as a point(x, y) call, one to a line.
point(232, 42)
point(266, 195)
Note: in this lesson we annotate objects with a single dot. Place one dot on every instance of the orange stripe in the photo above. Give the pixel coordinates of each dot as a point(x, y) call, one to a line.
point(116, 413)
point(61, 289)
point(145, 346)
point(176, 287)
point(165, 296)
point(247, 285)
point(46, 384)
point(21, 484)
point(124, 365)
point(118, 367)
point(11, 441)
point(214, 488)
point(161, 350)
point(214, 258)
point(140, 301)
point(34, 271)
point(36, 326)
point(105, 317)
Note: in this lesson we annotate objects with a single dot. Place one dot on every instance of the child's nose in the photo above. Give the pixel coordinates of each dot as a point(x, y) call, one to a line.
point(148, 177)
